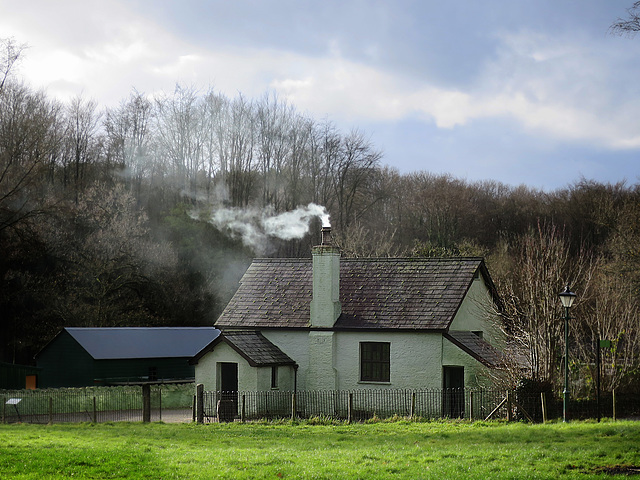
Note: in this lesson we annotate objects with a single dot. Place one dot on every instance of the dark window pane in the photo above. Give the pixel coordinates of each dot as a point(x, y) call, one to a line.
point(375, 361)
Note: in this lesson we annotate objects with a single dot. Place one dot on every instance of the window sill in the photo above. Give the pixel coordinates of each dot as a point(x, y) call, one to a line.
point(372, 382)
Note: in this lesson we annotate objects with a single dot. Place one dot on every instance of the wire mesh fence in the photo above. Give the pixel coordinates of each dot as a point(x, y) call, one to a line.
point(177, 403)
point(169, 403)
point(363, 405)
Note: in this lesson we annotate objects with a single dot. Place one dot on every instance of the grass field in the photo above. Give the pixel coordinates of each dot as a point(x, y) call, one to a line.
point(378, 450)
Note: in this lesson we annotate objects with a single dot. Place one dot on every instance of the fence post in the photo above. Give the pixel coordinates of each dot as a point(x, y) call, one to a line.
point(95, 411)
point(471, 405)
point(50, 410)
point(293, 406)
point(413, 404)
point(243, 411)
point(543, 399)
point(200, 403)
point(350, 407)
point(509, 407)
point(146, 403)
point(4, 410)
point(613, 392)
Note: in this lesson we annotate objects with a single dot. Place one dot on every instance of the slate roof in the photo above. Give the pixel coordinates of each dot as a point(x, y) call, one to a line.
point(477, 347)
point(253, 346)
point(395, 293)
point(151, 342)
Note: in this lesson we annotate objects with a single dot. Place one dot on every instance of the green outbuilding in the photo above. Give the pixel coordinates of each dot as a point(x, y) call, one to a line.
point(79, 357)
point(17, 377)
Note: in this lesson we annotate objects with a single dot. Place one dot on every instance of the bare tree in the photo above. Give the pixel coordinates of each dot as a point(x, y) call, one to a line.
point(179, 130)
point(273, 119)
point(298, 189)
point(10, 54)
point(26, 141)
point(611, 314)
point(128, 130)
point(360, 241)
point(214, 110)
point(324, 156)
point(353, 176)
point(242, 140)
point(112, 264)
point(630, 25)
point(83, 146)
point(536, 272)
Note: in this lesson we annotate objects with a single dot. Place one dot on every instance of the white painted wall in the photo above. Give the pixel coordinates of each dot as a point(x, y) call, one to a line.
point(286, 378)
point(321, 374)
point(296, 345)
point(415, 360)
point(250, 379)
point(475, 314)
point(207, 370)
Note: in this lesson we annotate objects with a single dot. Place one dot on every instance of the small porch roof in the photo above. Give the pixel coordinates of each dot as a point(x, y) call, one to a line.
point(477, 347)
point(252, 346)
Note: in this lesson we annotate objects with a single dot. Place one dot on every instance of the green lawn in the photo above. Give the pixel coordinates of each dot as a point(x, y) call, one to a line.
point(380, 450)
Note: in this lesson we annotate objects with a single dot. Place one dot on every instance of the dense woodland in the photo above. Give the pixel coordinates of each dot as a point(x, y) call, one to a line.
point(148, 214)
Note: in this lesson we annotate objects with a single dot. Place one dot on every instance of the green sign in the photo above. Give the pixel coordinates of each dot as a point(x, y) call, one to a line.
point(605, 343)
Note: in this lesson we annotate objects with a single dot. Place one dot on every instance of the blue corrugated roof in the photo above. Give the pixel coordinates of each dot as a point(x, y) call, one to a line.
point(149, 342)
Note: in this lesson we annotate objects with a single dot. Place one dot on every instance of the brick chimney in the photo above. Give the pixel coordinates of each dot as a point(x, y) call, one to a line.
point(325, 304)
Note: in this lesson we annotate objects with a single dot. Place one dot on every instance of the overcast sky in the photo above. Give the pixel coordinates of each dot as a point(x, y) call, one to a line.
point(518, 91)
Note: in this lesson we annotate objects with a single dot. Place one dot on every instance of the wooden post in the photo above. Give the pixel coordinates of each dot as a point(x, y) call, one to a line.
point(598, 378)
point(293, 406)
point(509, 407)
point(504, 400)
point(243, 411)
point(471, 404)
point(4, 410)
point(50, 410)
point(543, 399)
point(350, 408)
point(95, 411)
point(614, 404)
point(146, 403)
point(200, 403)
point(413, 404)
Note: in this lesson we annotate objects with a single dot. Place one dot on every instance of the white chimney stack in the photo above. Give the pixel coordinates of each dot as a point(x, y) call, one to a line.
point(325, 304)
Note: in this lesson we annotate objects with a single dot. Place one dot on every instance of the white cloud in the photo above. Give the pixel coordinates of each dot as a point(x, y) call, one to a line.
point(551, 88)
point(97, 49)
point(555, 87)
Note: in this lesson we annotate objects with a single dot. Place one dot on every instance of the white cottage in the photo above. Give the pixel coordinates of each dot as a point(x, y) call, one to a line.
point(329, 323)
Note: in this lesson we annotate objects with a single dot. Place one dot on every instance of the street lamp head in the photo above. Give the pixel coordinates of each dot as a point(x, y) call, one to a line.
point(567, 297)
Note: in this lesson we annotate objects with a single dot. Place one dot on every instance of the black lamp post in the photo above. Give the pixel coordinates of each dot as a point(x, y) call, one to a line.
point(567, 297)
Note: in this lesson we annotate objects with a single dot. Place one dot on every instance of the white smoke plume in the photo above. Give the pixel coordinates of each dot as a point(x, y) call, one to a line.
point(255, 227)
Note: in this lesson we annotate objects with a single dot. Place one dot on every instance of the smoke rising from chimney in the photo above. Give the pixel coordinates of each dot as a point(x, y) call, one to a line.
point(255, 227)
